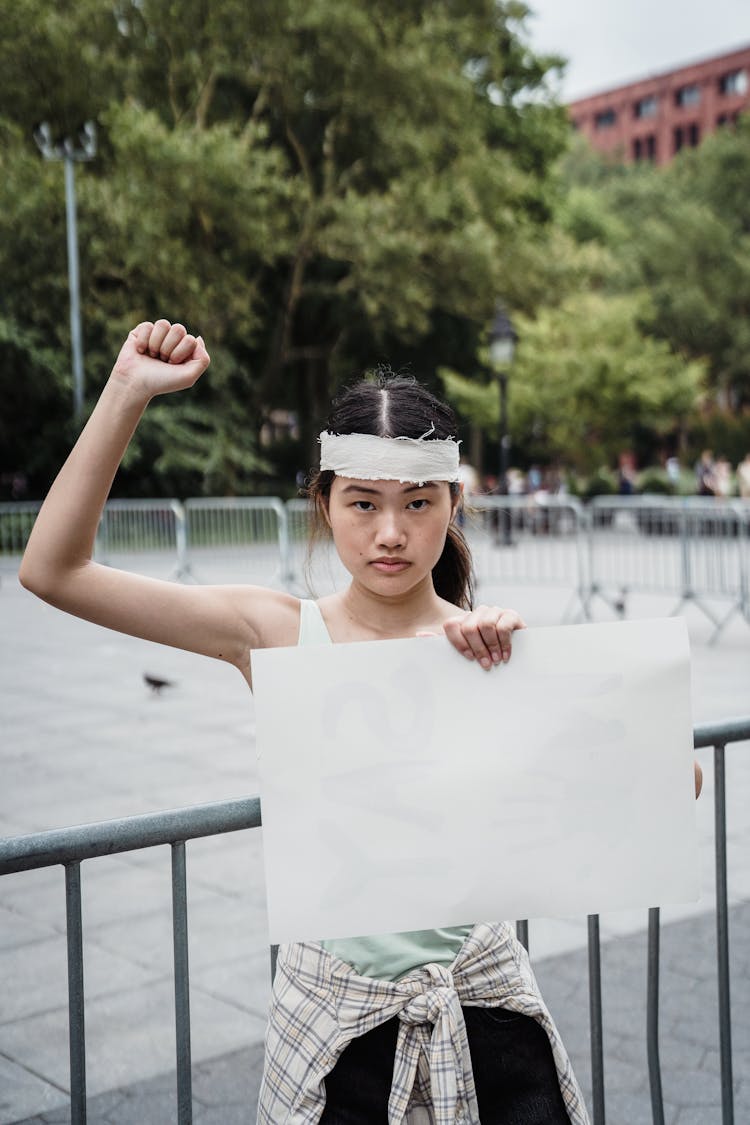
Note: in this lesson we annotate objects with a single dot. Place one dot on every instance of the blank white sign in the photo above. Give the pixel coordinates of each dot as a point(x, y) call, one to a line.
point(405, 788)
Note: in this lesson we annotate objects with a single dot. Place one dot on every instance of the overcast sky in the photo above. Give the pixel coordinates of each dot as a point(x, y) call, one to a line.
point(610, 42)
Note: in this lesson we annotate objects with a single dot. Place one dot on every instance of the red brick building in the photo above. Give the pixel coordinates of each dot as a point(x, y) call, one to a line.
point(654, 118)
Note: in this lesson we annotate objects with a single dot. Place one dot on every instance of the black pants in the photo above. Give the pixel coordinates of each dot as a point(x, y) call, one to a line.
point(514, 1073)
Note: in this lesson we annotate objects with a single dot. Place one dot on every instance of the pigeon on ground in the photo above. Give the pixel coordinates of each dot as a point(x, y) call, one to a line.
point(156, 683)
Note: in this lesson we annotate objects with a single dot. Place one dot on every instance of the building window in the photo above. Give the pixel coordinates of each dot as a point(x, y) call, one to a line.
point(605, 119)
point(687, 95)
point(693, 134)
point(733, 83)
point(679, 138)
point(651, 147)
point(637, 149)
point(646, 107)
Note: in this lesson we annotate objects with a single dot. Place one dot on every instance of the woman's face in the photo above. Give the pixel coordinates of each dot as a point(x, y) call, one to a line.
point(389, 535)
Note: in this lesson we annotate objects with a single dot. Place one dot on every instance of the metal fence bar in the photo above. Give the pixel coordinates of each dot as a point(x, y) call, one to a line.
point(181, 985)
point(130, 833)
point(690, 547)
point(16, 521)
point(595, 1020)
point(528, 539)
point(722, 936)
point(718, 735)
point(244, 536)
point(139, 526)
point(314, 568)
point(652, 1018)
point(69, 846)
point(76, 1015)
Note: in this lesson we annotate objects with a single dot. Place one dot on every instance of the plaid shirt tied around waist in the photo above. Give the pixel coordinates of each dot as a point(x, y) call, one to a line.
point(320, 1004)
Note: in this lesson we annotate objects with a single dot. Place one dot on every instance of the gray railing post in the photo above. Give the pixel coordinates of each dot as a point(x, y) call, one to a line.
point(76, 1016)
point(595, 1020)
point(652, 1018)
point(181, 985)
point(722, 936)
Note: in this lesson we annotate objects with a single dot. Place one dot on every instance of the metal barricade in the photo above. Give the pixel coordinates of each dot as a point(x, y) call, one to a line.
point(529, 539)
point(151, 528)
point(237, 539)
point(314, 567)
point(69, 847)
point(16, 521)
point(694, 548)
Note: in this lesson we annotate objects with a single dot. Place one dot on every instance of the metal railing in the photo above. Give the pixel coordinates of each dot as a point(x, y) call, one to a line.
point(69, 847)
point(16, 521)
point(527, 539)
point(238, 534)
point(141, 527)
point(695, 550)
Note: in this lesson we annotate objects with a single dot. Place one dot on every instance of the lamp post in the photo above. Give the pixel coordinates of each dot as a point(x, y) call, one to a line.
point(503, 337)
point(69, 152)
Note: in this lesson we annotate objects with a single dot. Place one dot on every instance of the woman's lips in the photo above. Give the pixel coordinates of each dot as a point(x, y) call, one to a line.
point(390, 566)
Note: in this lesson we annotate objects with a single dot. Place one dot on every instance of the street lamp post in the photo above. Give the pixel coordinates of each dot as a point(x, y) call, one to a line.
point(503, 337)
point(69, 152)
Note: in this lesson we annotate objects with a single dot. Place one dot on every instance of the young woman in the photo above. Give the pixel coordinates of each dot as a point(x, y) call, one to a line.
point(436, 1026)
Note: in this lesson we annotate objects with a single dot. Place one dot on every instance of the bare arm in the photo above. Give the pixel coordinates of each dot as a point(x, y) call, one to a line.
point(224, 622)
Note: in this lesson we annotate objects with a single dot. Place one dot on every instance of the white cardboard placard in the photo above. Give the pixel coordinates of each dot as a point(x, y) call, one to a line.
point(404, 788)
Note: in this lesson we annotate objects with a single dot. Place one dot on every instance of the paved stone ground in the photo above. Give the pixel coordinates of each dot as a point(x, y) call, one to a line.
point(85, 740)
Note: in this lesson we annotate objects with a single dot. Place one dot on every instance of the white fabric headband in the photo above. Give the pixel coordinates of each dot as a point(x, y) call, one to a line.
point(367, 457)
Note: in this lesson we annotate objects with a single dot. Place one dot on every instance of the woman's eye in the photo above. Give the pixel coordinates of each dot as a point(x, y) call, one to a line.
point(419, 504)
point(363, 505)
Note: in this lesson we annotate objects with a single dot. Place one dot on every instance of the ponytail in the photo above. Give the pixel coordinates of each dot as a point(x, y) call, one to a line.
point(453, 573)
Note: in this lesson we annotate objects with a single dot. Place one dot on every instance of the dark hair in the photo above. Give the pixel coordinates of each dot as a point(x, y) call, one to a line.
point(391, 405)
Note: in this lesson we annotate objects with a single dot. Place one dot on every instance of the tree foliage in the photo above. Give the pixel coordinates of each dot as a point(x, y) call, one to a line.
point(312, 184)
point(683, 233)
point(584, 379)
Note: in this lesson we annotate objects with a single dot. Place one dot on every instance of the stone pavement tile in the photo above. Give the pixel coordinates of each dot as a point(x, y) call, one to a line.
point(232, 863)
point(230, 1081)
point(550, 936)
point(683, 1086)
point(671, 1052)
point(740, 1062)
point(245, 982)
point(111, 890)
point(22, 1092)
point(16, 930)
point(222, 930)
point(35, 976)
point(627, 1109)
point(128, 1033)
point(102, 1110)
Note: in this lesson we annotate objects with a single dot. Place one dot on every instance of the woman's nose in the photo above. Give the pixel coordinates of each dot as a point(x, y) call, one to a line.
point(390, 532)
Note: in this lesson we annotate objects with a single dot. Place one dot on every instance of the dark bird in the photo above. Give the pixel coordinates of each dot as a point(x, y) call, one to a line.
point(156, 683)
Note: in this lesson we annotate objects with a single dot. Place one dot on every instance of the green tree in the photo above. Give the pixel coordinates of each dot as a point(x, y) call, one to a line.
point(684, 234)
point(313, 184)
point(585, 382)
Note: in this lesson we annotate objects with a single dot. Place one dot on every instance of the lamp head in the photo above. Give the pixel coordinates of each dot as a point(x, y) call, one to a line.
point(503, 337)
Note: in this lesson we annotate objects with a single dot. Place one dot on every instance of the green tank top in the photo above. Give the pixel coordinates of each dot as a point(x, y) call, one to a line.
point(385, 956)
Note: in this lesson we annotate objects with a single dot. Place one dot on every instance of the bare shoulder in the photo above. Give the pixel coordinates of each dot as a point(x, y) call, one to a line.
point(273, 615)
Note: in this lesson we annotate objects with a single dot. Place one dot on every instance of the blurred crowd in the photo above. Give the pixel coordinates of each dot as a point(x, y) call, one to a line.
point(712, 476)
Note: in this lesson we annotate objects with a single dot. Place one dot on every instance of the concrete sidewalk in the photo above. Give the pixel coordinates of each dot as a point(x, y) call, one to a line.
point(84, 739)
